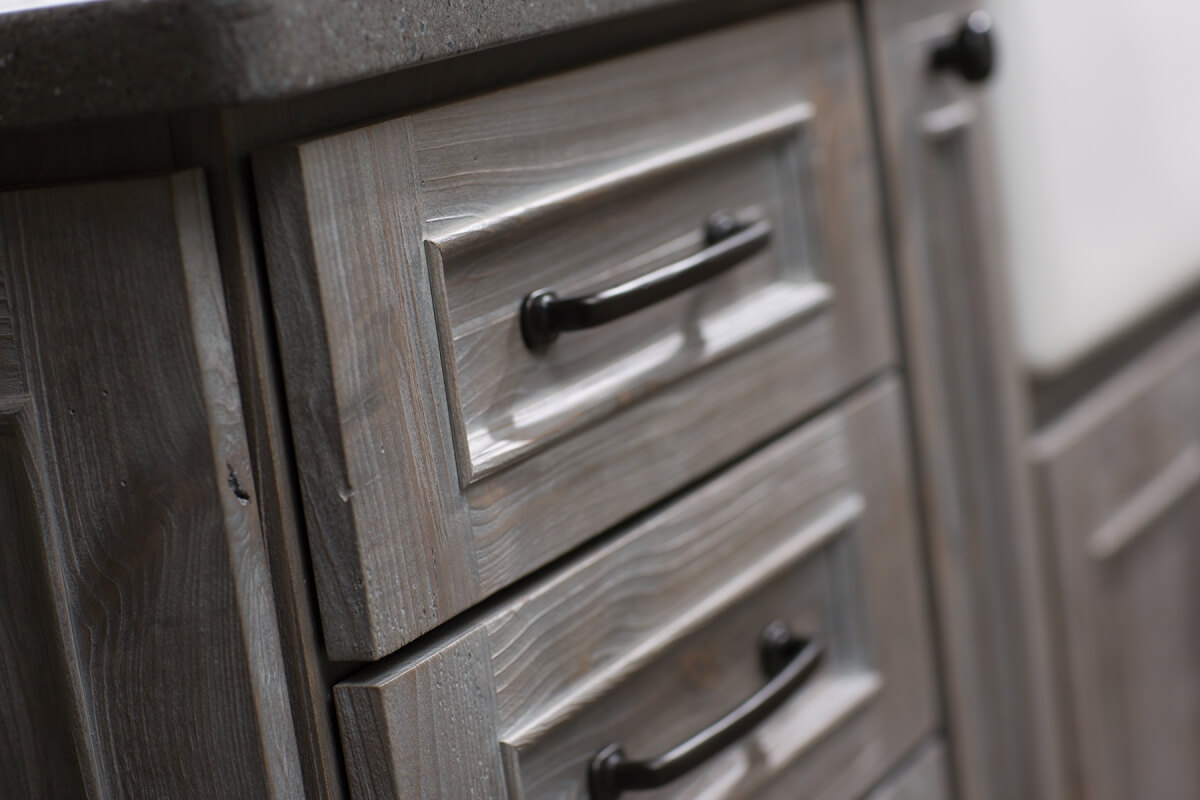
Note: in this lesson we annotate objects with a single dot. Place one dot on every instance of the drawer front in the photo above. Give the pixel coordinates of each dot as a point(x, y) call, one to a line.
point(442, 457)
point(1120, 483)
point(509, 399)
point(655, 634)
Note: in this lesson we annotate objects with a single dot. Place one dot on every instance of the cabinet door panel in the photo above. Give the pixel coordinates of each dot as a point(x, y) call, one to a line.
point(1120, 476)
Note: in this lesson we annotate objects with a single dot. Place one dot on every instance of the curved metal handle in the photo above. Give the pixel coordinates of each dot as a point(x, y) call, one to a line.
point(789, 661)
point(544, 315)
point(971, 52)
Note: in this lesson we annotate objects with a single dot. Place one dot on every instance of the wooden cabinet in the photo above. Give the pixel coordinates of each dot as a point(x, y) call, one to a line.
point(1119, 476)
point(527, 549)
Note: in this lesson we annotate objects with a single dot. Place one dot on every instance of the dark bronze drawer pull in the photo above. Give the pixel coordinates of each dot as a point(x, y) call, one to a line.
point(544, 315)
point(971, 52)
point(788, 660)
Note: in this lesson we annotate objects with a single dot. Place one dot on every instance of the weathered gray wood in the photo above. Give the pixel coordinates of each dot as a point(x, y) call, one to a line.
point(393, 730)
point(651, 635)
point(922, 777)
point(12, 379)
point(152, 538)
point(398, 547)
point(998, 643)
point(390, 542)
point(1120, 481)
point(37, 745)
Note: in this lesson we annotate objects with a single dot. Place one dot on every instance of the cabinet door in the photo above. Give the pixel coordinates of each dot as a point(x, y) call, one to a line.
point(969, 414)
point(1120, 476)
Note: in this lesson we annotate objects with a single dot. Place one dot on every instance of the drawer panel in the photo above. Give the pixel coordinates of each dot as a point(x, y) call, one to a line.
point(654, 635)
point(508, 400)
point(442, 459)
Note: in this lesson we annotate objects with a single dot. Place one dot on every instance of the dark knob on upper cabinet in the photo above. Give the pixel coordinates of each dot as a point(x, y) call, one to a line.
point(971, 52)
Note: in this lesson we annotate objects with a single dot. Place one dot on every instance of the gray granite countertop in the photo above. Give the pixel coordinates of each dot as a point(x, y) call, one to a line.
point(106, 58)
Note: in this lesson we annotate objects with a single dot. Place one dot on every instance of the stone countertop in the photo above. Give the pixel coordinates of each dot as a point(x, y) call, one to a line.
point(108, 58)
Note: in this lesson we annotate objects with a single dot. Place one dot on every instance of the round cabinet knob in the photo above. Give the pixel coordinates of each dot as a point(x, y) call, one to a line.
point(970, 52)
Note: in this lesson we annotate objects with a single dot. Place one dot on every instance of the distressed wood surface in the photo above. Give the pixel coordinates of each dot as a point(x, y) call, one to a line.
point(921, 777)
point(151, 534)
point(392, 729)
point(650, 636)
point(389, 537)
point(999, 643)
point(1120, 488)
point(12, 378)
point(397, 546)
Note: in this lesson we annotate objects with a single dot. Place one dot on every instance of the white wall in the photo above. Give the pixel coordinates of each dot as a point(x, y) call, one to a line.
point(1096, 109)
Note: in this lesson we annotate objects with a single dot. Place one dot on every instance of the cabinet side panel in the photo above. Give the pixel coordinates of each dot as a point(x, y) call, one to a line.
point(164, 586)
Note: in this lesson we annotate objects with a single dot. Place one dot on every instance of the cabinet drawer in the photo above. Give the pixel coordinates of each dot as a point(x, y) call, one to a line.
point(655, 634)
point(441, 456)
point(1120, 481)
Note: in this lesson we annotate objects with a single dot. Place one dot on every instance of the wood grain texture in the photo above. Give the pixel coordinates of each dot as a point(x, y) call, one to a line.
point(659, 624)
point(393, 730)
point(921, 777)
point(691, 680)
point(1121, 501)
point(999, 647)
point(390, 542)
point(893, 594)
point(37, 741)
point(12, 379)
point(155, 550)
point(381, 456)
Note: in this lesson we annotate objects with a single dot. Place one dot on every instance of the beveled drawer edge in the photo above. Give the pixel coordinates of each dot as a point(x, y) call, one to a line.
point(546, 208)
point(842, 515)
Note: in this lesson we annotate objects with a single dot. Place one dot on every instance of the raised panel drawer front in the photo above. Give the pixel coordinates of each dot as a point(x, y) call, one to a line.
point(1120, 477)
point(653, 638)
point(511, 322)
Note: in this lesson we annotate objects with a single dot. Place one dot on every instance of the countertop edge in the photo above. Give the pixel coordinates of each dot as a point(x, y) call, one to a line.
point(114, 58)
